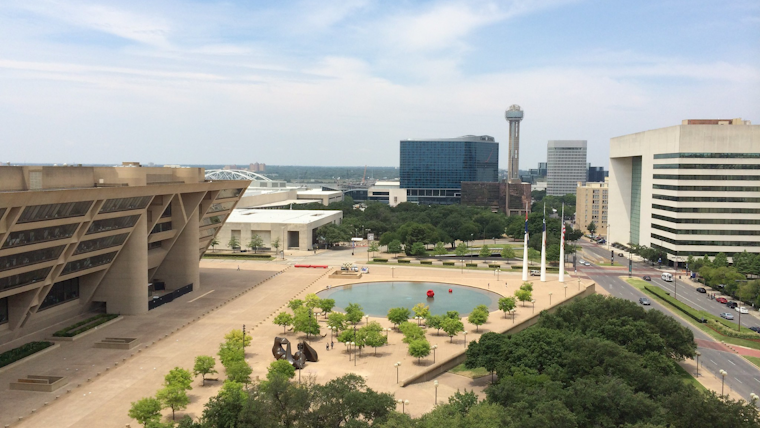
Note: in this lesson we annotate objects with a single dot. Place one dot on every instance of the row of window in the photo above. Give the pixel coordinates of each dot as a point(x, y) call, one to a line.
point(3, 310)
point(61, 292)
point(705, 166)
point(125, 204)
point(154, 245)
point(682, 255)
point(707, 156)
point(88, 263)
point(101, 243)
point(98, 226)
point(205, 221)
point(433, 192)
point(44, 234)
point(707, 210)
point(54, 211)
point(229, 193)
point(706, 231)
point(167, 212)
point(221, 207)
point(14, 261)
point(161, 227)
point(707, 188)
point(704, 220)
point(710, 243)
point(707, 177)
point(704, 199)
point(25, 278)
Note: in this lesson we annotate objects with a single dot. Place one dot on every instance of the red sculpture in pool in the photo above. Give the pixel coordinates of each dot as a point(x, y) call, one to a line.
point(430, 293)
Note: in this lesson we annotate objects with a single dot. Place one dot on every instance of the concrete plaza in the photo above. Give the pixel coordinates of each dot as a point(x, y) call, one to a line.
point(103, 382)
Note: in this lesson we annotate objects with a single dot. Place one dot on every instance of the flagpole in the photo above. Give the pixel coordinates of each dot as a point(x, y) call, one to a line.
point(562, 248)
point(525, 247)
point(543, 249)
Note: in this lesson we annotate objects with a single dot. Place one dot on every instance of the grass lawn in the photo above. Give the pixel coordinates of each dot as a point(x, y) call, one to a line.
point(639, 284)
point(687, 378)
point(473, 374)
point(753, 360)
point(457, 266)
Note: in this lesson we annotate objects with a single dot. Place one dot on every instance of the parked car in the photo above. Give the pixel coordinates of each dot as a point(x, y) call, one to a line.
point(647, 278)
point(742, 310)
point(620, 255)
point(721, 300)
point(586, 264)
point(732, 305)
point(755, 329)
point(701, 290)
point(644, 301)
point(535, 273)
point(727, 316)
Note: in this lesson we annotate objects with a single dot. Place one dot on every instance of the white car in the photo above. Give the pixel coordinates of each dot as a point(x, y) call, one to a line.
point(742, 310)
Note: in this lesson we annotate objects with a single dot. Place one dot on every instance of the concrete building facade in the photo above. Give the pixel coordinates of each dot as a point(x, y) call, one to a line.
point(591, 203)
point(72, 238)
point(294, 229)
point(691, 189)
point(566, 166)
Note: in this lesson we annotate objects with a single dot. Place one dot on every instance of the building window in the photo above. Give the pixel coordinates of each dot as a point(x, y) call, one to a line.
point(35, 236)
point(707, 155)
point(161, 227)
point(707, 188)
point(707, 243)
point(101, 243)
point(125, 204)
point(707, 210)
point(154, 245)
point(706, 177)
point(704, 199)
point(229, 193)
point(54, 211)
point(98, 226)
point(704, 220)
point(25, 278)
point(4, 310)
point(706, 231)
point(29, 258)
point(635, 200)
point(167, 212)
point(88, 263)
point(61, 292)
point(221, 207)
point(705, 166)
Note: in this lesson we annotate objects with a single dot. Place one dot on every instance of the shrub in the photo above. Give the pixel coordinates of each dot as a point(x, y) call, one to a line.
point(85, 325)
point(731, 332)
point(23, 351)
point(426, 262)
point(494, 266)
point(471, 264)
point(448, 263)
point(403, 261)
point(379, 260)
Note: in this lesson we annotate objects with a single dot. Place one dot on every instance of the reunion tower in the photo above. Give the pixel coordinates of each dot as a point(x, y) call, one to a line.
point(514, 115)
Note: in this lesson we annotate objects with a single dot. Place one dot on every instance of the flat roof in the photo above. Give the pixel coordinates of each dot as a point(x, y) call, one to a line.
point(318, 192)
point(244, 215)
point(387, 184)
point(287, 202)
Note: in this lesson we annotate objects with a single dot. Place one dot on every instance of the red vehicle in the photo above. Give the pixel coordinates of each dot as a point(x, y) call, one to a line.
point(721, 300)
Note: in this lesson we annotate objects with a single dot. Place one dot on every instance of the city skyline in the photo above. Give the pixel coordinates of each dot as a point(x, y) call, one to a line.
point(321, 83)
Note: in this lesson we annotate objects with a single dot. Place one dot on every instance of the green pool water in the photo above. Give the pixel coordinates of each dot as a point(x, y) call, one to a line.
point(377, 297)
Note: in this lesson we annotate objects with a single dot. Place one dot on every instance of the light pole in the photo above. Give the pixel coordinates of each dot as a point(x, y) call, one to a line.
point(418, 320)
point(367, 323)
point(392, 267)
point(697, 353)
point(498, 271)
point(579, 284)
point(387, 330)
point(513, 315)
point(435, 383)
point(550, 299)
point(353, 344)
point(332, 332)
point(465, 338)
point(533, 301)
point(434, 347)
point(403, 403)
point(723, 374)
point(461, 265)
point(753, 398)
point(397, 366)
point(565, 291)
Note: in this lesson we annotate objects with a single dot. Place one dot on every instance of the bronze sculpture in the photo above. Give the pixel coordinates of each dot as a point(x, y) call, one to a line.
point(304, 353)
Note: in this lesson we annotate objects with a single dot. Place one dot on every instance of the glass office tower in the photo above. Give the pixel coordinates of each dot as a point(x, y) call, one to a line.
point(432, 170)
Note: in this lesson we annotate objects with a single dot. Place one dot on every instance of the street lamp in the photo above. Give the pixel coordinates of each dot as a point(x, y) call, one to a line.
point(533, 301)
point(513, 315)
point(434, 347)
point(435, 383)
point(723, 374)
point(753, 397)
point(697, 353)
point(465, 338)
point(403, 403)
point(332, 332)
point(367, 319)
point(461, 264)
point(387, 330)
point(579, 284)
point(418, 320)
point(353, 344)
point(550, 299)
point(392, 267)
point(397, 366)
point(565, 291)
point(498, 271)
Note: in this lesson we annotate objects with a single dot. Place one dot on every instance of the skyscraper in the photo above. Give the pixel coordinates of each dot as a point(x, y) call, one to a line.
point(514, 115)
point(566, 166)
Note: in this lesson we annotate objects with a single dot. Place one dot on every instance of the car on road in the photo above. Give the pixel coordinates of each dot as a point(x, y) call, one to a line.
point(701, 290)
point(742, 310)
point(620, 255)
point(581, 262)
point(732, 305)
point(727, 316)
point(586, 264)
point(644, 301)
point(647, 278)
point(535, 273)
point(721, 300)
point(755, 329)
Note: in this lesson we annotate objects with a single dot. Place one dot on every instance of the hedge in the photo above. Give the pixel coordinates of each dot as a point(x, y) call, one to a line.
point(404, 261)
point(237, 256)
point(448, 263)
point(23, 351)
point(494, 266)
point(686, 309)
point(380, 260)
point(85, 325)
point(731, 332)
point(471, 264)
point(426, 262)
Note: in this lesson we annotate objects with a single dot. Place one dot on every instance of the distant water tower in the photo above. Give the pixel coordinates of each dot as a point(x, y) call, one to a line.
point(514, 115)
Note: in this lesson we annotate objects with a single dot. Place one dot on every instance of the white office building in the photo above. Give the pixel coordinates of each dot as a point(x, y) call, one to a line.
point(691, 189)
point(566, 166)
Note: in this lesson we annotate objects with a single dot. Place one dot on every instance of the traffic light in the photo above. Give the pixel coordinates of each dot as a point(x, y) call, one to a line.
point(612, 253)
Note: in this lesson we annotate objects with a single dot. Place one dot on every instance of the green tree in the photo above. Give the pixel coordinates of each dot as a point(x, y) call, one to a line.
point(485, 251)
point(256, 242)
point(591, 228)
point(236, 337)
point(720, 260)
point(527, 285)
point(304, 322)
point(283, 319)
point(394, 247)
point(452, 327)
point(419, 349)
point(337, 320)
point(233, 242)
point(421, 310)
point(354, 313)
point(478, 316)
point(204, 365)
point(326, 305)
point(375, 339)
point(411, 331)
point(214, 242)
point(333, 233)
point(486, 352)
point(373, 247)
point(311, 301)
point(239, 371)
point(179, 378)
point(295, 304)
point(173, 397)
point(281, 368)
point(398, 315)
point(462, 250)
point(507, 304)
point(523, 295)
point(507, 252)
point(146, 410)
point(440, 249)
point(230, 352)
point(276, 245)
point(417, 249)
point(435, 321)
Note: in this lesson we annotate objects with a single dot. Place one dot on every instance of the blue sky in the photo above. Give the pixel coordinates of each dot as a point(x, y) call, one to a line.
point(341, 82)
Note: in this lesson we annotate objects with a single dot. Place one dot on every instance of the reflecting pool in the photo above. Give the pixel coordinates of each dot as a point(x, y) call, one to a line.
point(377, 297)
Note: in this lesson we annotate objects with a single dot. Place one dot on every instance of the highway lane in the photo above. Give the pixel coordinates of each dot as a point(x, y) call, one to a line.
point(743, 377)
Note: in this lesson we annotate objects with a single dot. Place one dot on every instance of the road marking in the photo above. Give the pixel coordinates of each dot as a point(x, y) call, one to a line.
point(756, 379)
point(714, 362)
point(737, 379)
point(731, 362)
point(201, 296)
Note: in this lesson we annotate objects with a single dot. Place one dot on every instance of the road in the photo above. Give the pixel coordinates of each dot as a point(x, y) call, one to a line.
point(743, 377)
